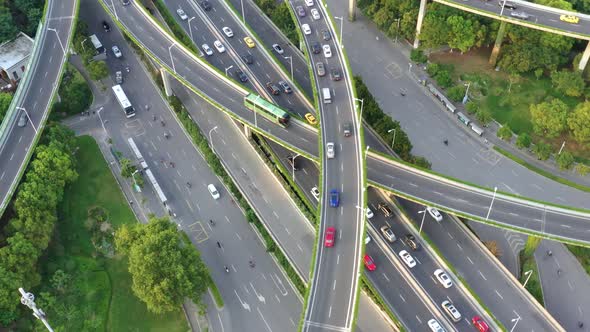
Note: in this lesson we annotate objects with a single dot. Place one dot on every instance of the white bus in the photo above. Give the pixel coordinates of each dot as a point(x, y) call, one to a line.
point(326, 96)
point(97, 44)
point(123, 101)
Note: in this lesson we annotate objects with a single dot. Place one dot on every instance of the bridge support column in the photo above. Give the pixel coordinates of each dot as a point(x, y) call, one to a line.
point(498, 43)
point(166, 81)
point(421, 14)
point(247, 131)
point(351, 12)
point(585, 56)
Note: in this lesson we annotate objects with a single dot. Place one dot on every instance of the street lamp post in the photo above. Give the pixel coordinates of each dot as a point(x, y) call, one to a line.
point(466, 92)
point(114, 10)
point(228, 68)
point(211, 138)
point(561, 148)
point(255, 105)
point(397, 31)
point(341, 25)
point(190, 30)
point(137, 188)
point(290, 61)
point(82, 43)
point(490, 209)
point(293, 165)
point(502, 11)
point(515, 321)
point(243, 14)
point(28, 299)
point(361, 116)
point(423, 212)
point(171, 58)
point(529, 272)
point(29, 117)
point(58, 39)
point(393, 140)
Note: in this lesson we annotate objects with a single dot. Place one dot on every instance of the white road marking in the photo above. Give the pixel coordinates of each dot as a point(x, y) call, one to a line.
point(499, 295)
point(481, 274)
point(469, 259)
point(401, 297)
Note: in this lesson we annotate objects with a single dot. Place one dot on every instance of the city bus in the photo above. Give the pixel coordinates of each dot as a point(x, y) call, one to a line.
point(97, 44)
point(267, 109)
point(123, 101)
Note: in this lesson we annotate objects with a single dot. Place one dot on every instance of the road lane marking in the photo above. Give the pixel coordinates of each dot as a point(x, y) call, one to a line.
point(460, 248)
point(401, 297)
point(385, 276)
point(469, 259)
point(495, 290)
point(334, 285)
point(481, 274)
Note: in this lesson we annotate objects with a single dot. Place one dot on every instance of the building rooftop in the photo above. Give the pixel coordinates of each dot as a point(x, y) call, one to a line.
point(15, 50)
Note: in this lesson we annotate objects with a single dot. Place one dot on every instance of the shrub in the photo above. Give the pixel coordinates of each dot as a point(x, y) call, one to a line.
point(471, 107)
point(523, 141)
point(418, 56)
point(97, 70)
point(565, 160)
point(432, 69)
point(582, 169)
point(443, 78)
point(542, 151)
point(483, 116)
point(456, 93)
point(505, 132)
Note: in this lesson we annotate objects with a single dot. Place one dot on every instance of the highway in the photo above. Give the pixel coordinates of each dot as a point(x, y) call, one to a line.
point(35, 93)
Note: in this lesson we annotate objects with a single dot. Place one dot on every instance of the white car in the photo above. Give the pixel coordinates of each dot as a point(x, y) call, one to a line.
point(315, 14)
point(228, 32)
point(278, 48)
point(117, 51)
point(327, 51)
point(369, 213)
point(213, 191)
point(330, 150)
point(443, 278)
point(219, 46)
point(316, 193)
point(407, 258)
point(182, 14)
point(207, 49)
point(435, 326)
point(306, 29)
point(434, 213)
point(309, 3)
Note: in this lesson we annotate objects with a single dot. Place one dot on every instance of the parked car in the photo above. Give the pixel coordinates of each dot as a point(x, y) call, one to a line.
point(320, 69)
point(315, 192)
point(327, 51)
point(334, 198)
point(106, 26)
point(242, 76)
point(443, 278)
point(335, 74)
point(117, 51)
point(182, 14)
point(248, 59)
point(206, 5)
point(330, 237)
point(369, 263)
point(285, 87)
point(434, 213)
point(272, 88)
point(311, 119)
point(300, 11)
point(228, 32)
point(278, 48)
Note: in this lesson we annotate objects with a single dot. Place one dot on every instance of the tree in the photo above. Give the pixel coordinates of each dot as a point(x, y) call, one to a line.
point(165, 267)
point(7, 28)
point(565, 160)
point(5, 100)
point(549, 118)
point(568, 82)
point(471, 107)
point(462, 34)
point(523, 140)
point(538, 73)
point(504, 132)
point(578, 122)
point(417, 55)
point(126, 167)
point(443, 78)
point(456, 93)
point(582, 169)
point(97, 70)
point(542, 150)
point(483, 116)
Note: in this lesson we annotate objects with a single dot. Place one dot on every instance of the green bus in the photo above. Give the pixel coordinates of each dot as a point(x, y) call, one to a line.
point(267, 109)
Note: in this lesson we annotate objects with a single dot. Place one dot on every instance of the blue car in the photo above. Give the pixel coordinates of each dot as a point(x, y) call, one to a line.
point(334, 198)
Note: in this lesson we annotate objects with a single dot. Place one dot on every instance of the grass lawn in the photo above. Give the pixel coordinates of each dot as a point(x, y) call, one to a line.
point(104, 284)
point(583, 256)
point(533, 285)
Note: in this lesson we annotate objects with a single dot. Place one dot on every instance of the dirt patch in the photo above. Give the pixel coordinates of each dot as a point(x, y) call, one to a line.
point(475, 60)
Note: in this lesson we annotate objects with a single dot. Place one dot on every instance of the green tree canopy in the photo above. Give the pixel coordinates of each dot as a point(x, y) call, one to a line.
point(165, 267)
point(5, 100)
point(549, 118)
point(579, 121)
point(568, 82)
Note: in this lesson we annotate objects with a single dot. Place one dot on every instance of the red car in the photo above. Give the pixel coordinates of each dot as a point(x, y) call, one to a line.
point(329, 237)
point(369, 264)
point(479, 324)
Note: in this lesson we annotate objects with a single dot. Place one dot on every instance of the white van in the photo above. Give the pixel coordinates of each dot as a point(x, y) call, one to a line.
point(476, 129)
point(326, 96)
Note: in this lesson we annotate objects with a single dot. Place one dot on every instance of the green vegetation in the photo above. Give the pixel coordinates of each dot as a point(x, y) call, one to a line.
point(19, 15)
point(96, 288)
point(527, 259)
point(374, 294)
point(549, 118)
point(75, 94)
point(583, 256)
point(382, 124)
point(30, 221)
point(279, 14)
point(5, 100)
point(174, 26)
point(84, 48)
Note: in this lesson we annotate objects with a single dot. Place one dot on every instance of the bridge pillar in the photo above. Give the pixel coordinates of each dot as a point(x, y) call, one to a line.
point(166, 81)
point(498, 43)
point(351, 12)
point(247, 131)
point(421, 14)
point(585, 56)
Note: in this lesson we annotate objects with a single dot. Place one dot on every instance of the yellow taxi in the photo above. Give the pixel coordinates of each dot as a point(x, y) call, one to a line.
point(311, 119)
point(570, 19)
point(250, 42)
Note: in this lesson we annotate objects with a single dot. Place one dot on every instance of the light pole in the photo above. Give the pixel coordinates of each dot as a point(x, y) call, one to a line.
point(409, 67)
point(341, 25)
point(30, 120)
point(361, 116)
point(82, 43)
point(211, 138)
point(466, 92)
point(171, 58)
point(228, 68)
point(58, 39)
point(393, 140)
point(28, 299)
point(137, 188)
point(490, 209)
point(423, 212)
point(293, 165)
point(515, 321)
point(190, 30)
point(243, 14)
point(291, 61)
point(529, 272)
point(256, 105)
point(397, 31)
point(561, 148)
point(502, 11)
point(114, 10)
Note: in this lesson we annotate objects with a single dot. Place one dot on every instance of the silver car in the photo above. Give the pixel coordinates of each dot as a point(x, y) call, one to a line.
point(521, 15)
point(22, 119)
point(330, 150)
point(320, 69)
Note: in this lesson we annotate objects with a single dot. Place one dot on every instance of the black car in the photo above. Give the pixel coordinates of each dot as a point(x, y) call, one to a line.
point(240, 74)
point(285, 87)
point(326, 35)
point(411, 241)
point(300, 11)
point(106, 26)
point(206, 5)
point(248, 59)
point(335, 74)
point(507, 5)
point(316, 48)
point(272, 88)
